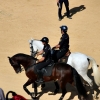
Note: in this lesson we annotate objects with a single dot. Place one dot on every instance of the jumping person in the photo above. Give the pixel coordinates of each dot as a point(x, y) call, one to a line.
point(63, 44)
point(45, 60)
point(60, 3)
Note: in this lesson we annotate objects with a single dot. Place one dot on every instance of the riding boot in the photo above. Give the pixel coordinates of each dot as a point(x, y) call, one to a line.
point(39, 77)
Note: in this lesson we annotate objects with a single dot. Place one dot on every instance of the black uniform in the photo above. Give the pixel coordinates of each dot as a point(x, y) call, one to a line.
point(64, 47)
point(66, 2)
point(47, 55)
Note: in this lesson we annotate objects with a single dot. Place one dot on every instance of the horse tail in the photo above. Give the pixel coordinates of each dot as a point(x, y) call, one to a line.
point(79, 85)
point(96, 71)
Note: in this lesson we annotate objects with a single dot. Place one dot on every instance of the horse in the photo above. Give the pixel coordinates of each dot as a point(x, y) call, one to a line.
point(77, 60)
point(61, 72)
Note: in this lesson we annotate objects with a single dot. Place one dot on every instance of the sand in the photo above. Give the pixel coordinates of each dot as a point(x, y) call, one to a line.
point(21, 20)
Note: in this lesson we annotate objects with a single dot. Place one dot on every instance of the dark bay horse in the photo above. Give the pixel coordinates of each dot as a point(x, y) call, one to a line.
point(61, 72)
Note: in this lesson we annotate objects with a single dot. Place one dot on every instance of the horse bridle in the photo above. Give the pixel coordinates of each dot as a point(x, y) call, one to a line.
point(14, 64)
point(33, 53)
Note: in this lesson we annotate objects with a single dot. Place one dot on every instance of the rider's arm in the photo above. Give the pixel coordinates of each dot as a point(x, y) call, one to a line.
point(40, 60)
point(39, 53)
point(45, 53)
point(57, 46)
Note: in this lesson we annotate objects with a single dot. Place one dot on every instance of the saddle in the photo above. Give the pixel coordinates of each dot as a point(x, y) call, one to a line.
point(47, 70)
point(64, 59)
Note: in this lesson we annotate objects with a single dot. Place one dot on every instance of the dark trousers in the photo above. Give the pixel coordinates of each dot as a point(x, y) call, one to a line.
point(59, 54)
point(38, 70)
point(41, 65)
point(66, 2)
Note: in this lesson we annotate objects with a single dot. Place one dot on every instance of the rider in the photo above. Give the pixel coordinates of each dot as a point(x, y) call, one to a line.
point(63, 44)
point(45, 60)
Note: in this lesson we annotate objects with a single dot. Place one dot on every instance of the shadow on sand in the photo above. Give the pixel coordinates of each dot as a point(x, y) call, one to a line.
point(50, 87)
point(74, 10)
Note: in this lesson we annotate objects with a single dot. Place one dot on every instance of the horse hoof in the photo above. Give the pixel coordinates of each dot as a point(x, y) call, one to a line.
point(33, 98)
point(56, 91)
point(61, 98)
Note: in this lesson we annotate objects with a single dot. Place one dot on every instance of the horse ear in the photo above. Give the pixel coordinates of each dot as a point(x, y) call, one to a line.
point(8, 57)
point(10, 60)
point(30, 40)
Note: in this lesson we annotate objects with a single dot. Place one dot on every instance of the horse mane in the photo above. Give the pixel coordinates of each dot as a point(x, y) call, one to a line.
point(24, 55)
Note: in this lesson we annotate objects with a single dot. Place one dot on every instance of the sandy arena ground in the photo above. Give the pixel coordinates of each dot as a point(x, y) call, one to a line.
point(21, 20)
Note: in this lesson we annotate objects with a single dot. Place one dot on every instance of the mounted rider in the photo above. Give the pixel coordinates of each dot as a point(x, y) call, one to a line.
point(45, 60)
point(63, 44)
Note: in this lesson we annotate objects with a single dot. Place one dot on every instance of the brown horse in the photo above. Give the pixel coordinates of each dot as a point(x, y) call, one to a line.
point(62, 72)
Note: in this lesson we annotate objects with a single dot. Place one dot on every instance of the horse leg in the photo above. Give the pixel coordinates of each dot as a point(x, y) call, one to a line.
point(89, 81)
point(57, 87)
point(79, 85)
point(56, 90)
point(26, 90)
point(35, 89)
point(64, 91)
point(82, 93)
point(63, 88)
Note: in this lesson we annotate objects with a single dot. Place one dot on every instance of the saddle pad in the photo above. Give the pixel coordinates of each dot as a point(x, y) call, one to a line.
point(48, 70)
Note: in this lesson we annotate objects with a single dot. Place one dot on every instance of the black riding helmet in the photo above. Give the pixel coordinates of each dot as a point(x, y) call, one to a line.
point(64, 28)
point(45, 39)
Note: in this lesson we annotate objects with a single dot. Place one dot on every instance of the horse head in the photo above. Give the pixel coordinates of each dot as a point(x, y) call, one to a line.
point(35, 46)
point(15, 65)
